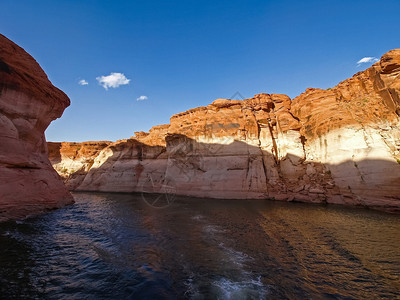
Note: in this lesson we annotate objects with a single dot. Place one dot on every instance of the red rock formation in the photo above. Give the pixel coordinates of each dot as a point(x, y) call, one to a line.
point(74, 158)
point(339, 145)
point(28, 103)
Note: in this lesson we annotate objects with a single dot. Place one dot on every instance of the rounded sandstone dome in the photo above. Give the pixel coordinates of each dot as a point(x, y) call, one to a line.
point(20, 72)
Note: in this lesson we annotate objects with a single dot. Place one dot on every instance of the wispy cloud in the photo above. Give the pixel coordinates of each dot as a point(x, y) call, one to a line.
point(141, 98)
point(83, 82)
point(366, 60)
point(113, 80)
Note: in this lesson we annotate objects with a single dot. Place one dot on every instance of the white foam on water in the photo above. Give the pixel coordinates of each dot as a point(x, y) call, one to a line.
point(212, 230)
point(236, 257)
point(239, 283)
point(244, 289)
point(192, 289)
point(197, 217)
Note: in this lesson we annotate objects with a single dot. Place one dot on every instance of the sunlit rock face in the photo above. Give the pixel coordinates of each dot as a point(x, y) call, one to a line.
point(28, 103)
point(74, 158)
point(339, 145)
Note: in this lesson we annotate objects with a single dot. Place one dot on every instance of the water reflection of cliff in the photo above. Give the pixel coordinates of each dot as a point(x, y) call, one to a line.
point(113, 245)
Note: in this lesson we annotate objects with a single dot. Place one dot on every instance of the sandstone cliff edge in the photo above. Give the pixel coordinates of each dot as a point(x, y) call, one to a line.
point(340, 145)
point(28, 103)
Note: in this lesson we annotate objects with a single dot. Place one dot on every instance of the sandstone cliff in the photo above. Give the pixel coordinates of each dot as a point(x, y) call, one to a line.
point(339, 145)
point(28, 103)
point(74, 158)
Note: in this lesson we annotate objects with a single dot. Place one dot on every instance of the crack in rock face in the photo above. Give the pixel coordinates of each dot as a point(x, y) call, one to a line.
point(340, 145)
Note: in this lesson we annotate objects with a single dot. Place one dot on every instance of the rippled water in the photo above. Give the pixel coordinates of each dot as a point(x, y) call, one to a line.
point(116, 246)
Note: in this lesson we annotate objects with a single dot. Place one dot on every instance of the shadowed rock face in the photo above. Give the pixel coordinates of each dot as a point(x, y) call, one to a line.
point(28, 103)
point(339, 145)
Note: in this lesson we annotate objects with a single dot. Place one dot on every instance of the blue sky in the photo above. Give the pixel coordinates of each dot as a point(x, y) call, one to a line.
point(184, 54)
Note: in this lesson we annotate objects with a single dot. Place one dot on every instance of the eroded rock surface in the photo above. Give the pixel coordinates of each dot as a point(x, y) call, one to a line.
point(339, 145)
point(74, 158)
point(28, 103)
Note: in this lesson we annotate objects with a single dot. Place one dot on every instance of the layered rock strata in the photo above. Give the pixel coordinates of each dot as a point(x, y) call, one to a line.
point(28, 103)
point(74, 158)
point(339, 145)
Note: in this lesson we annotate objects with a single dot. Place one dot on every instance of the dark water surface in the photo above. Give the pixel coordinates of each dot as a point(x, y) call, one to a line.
point(114, 246)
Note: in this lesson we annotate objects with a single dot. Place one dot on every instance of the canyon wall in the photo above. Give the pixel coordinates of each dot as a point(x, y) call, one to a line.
point(28, 103)
point(339, 145)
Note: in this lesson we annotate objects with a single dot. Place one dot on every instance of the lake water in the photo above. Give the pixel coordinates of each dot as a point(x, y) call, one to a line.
point(116, 246)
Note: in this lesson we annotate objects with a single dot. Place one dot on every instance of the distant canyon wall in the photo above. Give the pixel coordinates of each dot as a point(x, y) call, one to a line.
point(28, 103)
point(339, 145)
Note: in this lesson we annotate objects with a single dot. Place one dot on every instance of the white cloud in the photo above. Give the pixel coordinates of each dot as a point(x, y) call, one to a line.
point(83, 82)
point(367, 59)
point(141, 98)
point(113, 80)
